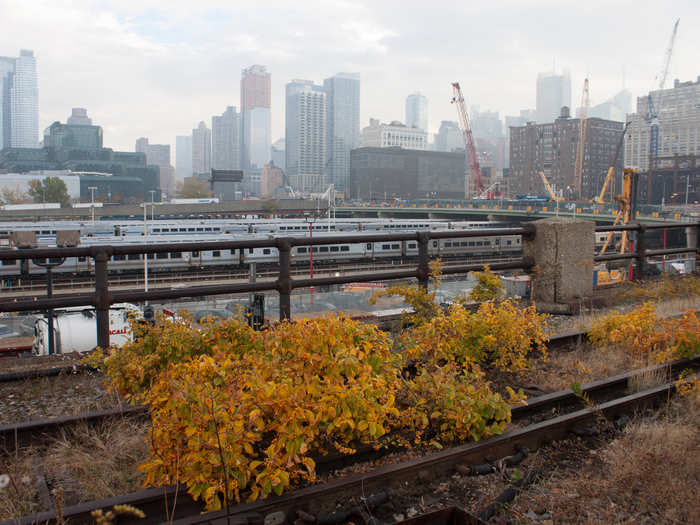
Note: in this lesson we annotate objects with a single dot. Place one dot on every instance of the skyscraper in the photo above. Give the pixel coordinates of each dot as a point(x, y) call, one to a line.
point(342, 125)
point(449, 137)
point(19, 101)
point(225, 140)
point(553, 92)
point(141, 145)
point(255, 117)
point(417, 111)
point(278, 155)
point(183, 156)
point(79, 117)
point(305, 135)
point(201, 151)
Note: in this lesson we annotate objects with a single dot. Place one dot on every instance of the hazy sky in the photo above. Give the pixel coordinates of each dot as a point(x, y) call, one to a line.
point(156, 68)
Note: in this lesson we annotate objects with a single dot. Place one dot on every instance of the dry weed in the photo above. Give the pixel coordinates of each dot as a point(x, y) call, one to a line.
point(650, 474)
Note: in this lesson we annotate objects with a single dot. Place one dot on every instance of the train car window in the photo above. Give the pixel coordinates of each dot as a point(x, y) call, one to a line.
point(395, 246)
point(449, 244)
point(156, 230)
point(216, 253)
point(301, 249)
point(176, 255)
point(7, 262)
point(518, 241)
point(134, 257)
point(369, 245)
point(314, 249)
point(55, 260)
point(82, 259)
point(119, 258)
point(386, 246)
point(149, 255)
point(162, 255)
point(434, 244)
point(266, 251)
point(412, 245)
point(165, 230)
point(335, 248)
point(497, 241)
point(233, 252)
point(250, 250)
point(509, 243)
point(487, 243)
point(345, 248)
point(46, 232)
point(190, 229)
point(324, 248)
point(195, 254)
point(200, 229)
point(465, 243)
point(207, 229)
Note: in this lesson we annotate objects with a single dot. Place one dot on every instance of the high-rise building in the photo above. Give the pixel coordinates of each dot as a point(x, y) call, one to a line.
point(201, 151)
point(305, 136)
point(615, 108)
point(225, 140)
point(66, 136)
point(417, 111)
point(343, 125)
point(158, 154)
point(678, 113)
point(255, 117)
point(551, 148)
point(19, 101)
point(395, 134)
point(183, 156)
point(553, 92)
point(449, 137)
point(278, 155)
point(141, 145)
point(79, 117)
point(271, 180)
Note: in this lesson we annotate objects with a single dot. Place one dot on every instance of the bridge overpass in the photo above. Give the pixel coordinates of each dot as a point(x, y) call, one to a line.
point(500, 212)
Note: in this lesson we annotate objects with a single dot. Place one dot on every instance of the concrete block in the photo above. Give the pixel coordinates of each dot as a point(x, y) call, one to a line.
point(67, 238)
point(562, 249)
point(23, 239)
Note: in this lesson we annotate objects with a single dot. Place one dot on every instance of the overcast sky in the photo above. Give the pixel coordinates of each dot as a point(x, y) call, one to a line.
point(155, 68)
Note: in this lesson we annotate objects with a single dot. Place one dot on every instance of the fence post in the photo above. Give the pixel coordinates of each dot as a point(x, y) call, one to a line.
point(423, 271)
point(102, 299)
point(284, 281)
point(641, 249)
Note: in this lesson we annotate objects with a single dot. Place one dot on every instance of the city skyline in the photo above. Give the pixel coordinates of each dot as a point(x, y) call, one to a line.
point(154, 47)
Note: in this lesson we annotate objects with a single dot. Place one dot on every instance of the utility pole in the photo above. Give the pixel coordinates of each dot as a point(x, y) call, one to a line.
point(92, 201)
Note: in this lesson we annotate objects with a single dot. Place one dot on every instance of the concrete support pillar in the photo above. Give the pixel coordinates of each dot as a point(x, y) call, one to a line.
point(691, 238)
point(562, 249)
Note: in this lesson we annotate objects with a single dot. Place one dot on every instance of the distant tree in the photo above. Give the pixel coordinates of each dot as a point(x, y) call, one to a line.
point(50, 189)
point(270, 207)
point(15, 196)
point(192, 188)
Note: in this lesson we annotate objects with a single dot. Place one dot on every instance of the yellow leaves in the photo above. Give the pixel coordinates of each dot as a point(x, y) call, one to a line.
point(643, 335)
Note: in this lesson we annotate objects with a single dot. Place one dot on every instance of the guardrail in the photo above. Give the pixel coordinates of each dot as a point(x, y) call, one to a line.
point(103, 298)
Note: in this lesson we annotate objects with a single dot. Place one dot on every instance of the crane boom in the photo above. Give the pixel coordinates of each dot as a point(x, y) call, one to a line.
point(458, 99)
point(611, 170)
point(581, 146)
point(669, 53)
point(549, 189)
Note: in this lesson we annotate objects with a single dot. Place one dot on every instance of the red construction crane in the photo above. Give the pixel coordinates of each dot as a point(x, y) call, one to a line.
point(458, 99)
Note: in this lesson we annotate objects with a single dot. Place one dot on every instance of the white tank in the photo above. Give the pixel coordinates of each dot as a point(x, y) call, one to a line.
point(75, 329)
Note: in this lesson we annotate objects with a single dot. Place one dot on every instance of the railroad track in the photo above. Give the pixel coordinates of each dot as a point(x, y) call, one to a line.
point(609, 398)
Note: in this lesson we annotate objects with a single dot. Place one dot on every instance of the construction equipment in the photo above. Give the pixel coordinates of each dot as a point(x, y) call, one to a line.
point(611, 171)
point(581, 146)
point(652, 116)
point(487, 193)
point(458, 99)
point(549, 189)
point(626, 211)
